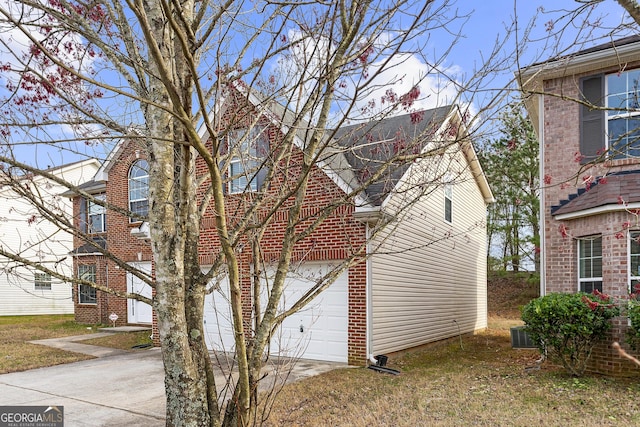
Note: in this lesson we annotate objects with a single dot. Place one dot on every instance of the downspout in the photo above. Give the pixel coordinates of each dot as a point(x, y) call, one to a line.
point(543, 250)
point(368, 308)
point(369, 217)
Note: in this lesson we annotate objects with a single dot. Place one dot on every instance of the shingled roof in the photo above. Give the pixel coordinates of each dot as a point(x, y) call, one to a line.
point(370, 146)
point(609, 190)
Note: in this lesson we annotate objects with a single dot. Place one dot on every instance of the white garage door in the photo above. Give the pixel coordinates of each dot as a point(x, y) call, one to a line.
point(218, 320)
point(319, 331)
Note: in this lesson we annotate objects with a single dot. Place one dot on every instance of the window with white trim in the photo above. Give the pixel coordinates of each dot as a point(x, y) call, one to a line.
point(623, 123)
point(139, 190)
point(634, 261)
point(42, 281)
point(86, 293)
point(244, 146)
point(96, 215)
point(590, 264)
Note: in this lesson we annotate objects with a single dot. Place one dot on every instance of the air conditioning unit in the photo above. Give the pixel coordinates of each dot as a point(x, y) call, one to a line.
point(520, 338)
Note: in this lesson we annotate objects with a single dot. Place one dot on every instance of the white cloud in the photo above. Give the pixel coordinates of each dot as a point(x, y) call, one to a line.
point(395, 78)
point(363, 94)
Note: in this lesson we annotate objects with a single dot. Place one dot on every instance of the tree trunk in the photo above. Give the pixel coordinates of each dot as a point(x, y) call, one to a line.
point(179, 300)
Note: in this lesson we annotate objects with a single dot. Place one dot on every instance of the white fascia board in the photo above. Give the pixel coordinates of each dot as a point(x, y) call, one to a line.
point(579, 64)
point(370, 215)
point(597, 211)
point(87, 254)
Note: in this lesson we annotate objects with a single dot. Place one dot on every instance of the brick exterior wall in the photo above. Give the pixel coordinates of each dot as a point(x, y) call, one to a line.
point(119, 241)
point(335, 239)
point(560, 165)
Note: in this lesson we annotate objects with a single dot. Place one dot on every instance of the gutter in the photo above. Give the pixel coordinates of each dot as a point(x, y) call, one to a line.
point(542, 211)
point(371, 216)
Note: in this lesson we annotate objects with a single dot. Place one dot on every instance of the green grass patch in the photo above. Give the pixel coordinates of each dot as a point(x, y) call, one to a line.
point(17, 354)
point(122, 340)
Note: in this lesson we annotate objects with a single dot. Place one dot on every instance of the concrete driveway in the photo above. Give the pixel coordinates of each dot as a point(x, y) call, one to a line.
point(117, 388)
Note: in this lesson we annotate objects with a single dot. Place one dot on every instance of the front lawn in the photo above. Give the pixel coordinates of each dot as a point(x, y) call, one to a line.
point(17, 354)
point(482, 382)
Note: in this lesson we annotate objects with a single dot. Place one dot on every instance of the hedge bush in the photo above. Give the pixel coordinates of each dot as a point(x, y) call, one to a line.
point(566, 327)
point(633, 311)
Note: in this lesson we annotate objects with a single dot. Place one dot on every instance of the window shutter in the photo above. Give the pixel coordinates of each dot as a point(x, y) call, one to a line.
point(223, 147)
point(592, 120)
point(83, 215)
point(262, 153)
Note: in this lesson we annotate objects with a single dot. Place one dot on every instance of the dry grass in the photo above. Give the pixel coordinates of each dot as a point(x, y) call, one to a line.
point(17, 354)
point(123, 341)
point(481, 383)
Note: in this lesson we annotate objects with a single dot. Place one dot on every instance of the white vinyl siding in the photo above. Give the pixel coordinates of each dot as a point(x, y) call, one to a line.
point(42, 281)
point(39, 241)
point(429, 279)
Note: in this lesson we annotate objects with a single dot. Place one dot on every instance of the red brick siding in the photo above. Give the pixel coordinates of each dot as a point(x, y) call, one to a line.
point(337, 238)
point(561, 148)
point(119, 241)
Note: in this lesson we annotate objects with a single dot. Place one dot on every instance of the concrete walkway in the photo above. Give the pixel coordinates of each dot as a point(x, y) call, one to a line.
point(119, 388)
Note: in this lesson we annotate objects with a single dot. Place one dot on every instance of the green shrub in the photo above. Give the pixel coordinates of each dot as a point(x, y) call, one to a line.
point(633, 334)
point(566, 327)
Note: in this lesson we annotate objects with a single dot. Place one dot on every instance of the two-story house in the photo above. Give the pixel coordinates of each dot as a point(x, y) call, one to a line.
point(585, 110)
point(425, 281)
point(26, 231)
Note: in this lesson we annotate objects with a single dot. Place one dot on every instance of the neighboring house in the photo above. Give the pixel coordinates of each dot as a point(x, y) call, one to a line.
point(23, 230)
point(591, 173)
point(427, 283)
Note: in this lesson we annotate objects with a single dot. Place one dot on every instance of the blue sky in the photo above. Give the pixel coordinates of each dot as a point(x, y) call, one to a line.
point(487, 22)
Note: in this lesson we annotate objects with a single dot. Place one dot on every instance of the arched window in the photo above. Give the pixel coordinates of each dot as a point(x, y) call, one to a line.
point(139, 190)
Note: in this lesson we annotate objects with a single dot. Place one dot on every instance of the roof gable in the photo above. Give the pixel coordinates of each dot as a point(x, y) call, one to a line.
point(356, 152)
point(369, 147)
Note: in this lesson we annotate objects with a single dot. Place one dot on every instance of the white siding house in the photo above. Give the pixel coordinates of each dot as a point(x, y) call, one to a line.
point(427, 273)
point(428, 279)
point(23, 230)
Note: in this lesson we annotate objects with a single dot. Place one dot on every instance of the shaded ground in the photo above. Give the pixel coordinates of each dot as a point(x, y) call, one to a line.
point(508, 293)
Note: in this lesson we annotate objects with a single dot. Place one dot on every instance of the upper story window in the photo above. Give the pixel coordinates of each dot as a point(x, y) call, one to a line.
point(139, 190)
point(590, 264)
point(623, 123)
point(616, 130)
point(96, 218)
point(448, 202)
point(246, 148)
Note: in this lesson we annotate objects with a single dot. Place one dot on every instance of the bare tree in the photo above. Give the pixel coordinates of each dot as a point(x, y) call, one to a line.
point(193, 84)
